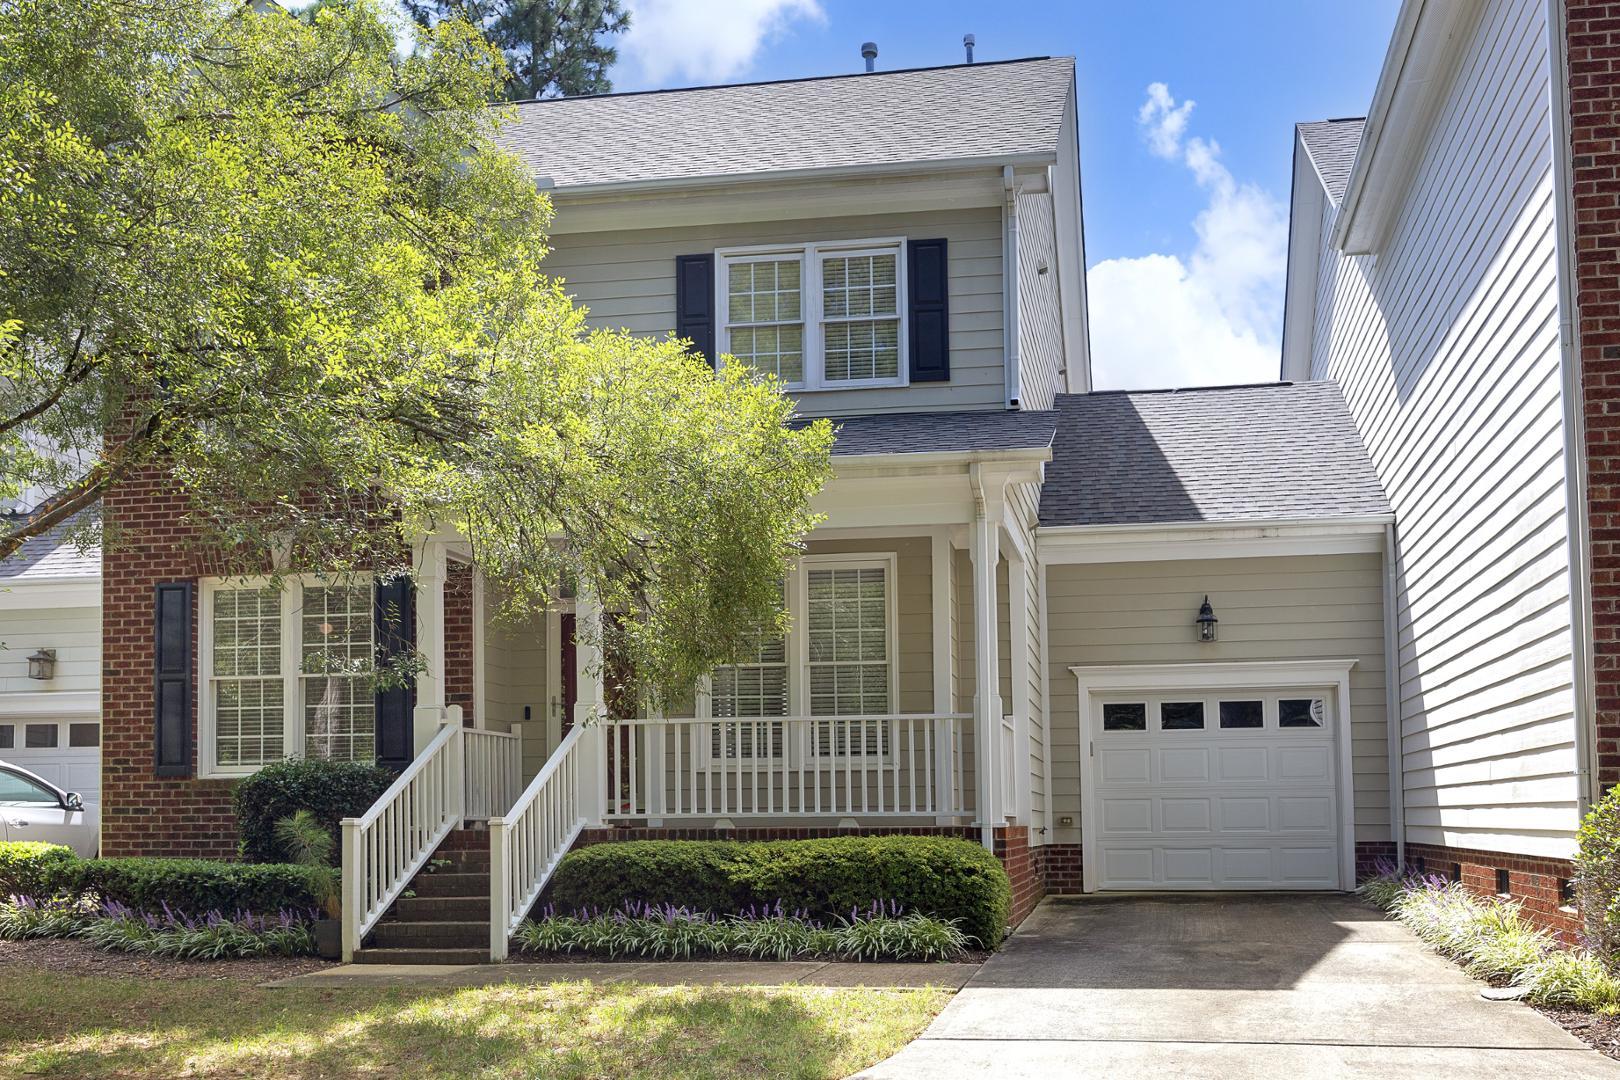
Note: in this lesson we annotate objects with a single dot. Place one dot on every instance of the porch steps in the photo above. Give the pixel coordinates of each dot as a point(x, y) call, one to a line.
point(445, 920)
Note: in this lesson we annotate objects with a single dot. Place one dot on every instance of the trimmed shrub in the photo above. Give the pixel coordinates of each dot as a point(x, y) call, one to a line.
point(836, 877)
point(1597, 876)
point(329, 790)
point(195, 885)
point(30, 868)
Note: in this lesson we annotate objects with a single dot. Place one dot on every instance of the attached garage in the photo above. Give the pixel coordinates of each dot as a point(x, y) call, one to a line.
point(65, 752)
point(1194, 787)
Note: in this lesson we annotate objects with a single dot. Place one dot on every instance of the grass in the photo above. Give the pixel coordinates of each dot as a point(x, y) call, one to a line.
point(78, 1026)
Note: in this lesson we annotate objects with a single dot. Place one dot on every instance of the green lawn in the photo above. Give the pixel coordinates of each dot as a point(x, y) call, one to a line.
point(80, 1026)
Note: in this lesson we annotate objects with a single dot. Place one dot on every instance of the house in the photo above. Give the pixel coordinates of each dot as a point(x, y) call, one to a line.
point(1125, 640)
point(50, 663)
point(1452, 266)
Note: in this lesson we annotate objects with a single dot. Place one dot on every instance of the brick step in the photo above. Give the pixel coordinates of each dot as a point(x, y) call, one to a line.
point(457, 861)
point(445, 883)
point(389, 934)
point(442, 908)
point(422, 956)
point(466, 840)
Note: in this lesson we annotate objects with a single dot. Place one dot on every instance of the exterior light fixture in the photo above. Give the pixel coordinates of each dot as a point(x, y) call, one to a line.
point(42, 665)
point(1207, 622)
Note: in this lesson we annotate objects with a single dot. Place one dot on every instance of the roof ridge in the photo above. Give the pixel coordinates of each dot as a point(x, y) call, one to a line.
point(784, 82)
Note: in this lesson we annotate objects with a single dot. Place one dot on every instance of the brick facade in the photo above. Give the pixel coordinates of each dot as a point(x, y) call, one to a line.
point(1061, 867)
point(142, 814)
point(458, 638)
point(1593, 39)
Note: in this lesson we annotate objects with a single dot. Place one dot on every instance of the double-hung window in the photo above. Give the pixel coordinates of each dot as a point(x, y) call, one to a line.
point(286, 672)
point(818, 316)
point(849, 668)
point(755, 688)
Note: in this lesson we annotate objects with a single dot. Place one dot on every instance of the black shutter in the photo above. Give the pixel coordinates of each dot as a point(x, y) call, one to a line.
point(172, 689)
point(929, 287)
point(694, 302)
point(395, 613)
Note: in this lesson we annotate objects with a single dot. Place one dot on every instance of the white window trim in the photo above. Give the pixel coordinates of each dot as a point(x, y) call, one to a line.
point(292, 726)
point(811, 315)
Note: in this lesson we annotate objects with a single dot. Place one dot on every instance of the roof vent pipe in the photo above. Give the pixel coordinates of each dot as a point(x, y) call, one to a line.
point(967, 43)
point(869, 53)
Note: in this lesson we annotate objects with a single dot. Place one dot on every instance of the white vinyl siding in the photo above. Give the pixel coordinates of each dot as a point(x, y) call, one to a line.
point(627, 279)
point(1322, 607)
point(1446, 346)
point(75, 634)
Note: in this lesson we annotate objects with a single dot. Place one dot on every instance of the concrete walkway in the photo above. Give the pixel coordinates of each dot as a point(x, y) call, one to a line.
point(657, 973)
point(1230, 986)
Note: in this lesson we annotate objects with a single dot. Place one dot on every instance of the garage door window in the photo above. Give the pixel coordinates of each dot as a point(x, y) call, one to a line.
point(1124, 716)
point(84, 734)
point(1243, 714)
point(1181, 715)
point(1299, 713)
point(8, 736)
point(40, 736)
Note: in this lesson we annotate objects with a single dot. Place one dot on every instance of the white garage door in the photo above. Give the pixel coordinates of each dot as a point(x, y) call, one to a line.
point(1215, 790)
point(65, 752)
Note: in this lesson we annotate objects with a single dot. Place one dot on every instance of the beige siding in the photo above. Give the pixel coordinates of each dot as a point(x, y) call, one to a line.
point(1285, 608)
point(1027, 666)
point(627, 279)
point(1040, 312)
point(1446, 345)
point(75, 634)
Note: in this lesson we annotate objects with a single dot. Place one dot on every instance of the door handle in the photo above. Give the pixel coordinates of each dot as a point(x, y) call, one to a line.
point(16, 824)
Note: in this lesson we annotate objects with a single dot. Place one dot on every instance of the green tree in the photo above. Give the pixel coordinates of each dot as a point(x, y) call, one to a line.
point(553, 48)
point(297, 274)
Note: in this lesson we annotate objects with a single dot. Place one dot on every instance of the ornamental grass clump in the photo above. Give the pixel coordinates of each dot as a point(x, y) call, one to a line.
point(115, 926)
point(1570, 979)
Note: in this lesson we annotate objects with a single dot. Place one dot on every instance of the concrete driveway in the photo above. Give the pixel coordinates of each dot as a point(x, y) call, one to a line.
point(1303, 986)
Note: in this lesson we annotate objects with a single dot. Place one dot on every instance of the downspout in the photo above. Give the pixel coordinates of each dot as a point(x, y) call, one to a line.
point(1583, 666)
point(1010, 293)
point(1392, 702)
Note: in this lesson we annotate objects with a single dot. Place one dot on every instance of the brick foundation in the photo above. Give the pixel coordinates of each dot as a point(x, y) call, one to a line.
point(1062, 868)
point(1370, 854)
point(1533, 882)
point(1025, 869)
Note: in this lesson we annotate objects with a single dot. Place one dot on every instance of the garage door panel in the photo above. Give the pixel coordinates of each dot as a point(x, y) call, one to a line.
point(1240, 807)
point(65, 752)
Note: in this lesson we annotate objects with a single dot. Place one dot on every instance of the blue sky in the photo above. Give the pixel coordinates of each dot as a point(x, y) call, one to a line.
point(1185, 206)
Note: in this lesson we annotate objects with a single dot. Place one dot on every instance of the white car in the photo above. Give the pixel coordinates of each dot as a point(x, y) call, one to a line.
point(33, 808)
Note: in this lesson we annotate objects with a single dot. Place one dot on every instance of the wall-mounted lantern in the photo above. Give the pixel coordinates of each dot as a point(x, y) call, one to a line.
point(1207, 622)
point(42, 665)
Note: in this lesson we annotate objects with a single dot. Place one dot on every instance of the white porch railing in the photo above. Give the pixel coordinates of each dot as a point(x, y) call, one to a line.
point(900, 765)
point(494, 772)
point(527, 842)
point(386, 847)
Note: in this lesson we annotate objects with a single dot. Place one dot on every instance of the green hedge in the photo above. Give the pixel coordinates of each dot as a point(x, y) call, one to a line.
point(331, 790)
point(188, 885)
point(30, 868)
point(949, 879)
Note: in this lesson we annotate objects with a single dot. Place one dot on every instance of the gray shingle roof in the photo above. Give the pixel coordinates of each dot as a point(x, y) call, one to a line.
point(53, 555)
point(942, 432)
point(925, 115)
point(1283, 451)
point(1332, 146)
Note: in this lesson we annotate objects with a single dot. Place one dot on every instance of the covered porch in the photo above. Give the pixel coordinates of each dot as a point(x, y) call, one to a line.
point(918, 589)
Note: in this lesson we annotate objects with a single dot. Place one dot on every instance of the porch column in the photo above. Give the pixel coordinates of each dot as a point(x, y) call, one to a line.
point(1018, 801)
point(590, 718)
point(430, 573)
point(947, 758)
point(985, 548)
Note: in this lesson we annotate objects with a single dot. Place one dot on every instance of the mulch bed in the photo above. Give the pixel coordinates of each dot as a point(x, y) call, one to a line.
point(1601, 1033)
point(66, 957)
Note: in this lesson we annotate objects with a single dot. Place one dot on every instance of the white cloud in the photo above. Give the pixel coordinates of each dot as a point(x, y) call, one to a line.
point(706, 40)
point(1214, 317)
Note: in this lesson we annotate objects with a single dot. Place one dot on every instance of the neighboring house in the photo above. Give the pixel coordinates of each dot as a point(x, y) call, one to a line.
point(995, 632)
point(50, 710)
point(1452, 265)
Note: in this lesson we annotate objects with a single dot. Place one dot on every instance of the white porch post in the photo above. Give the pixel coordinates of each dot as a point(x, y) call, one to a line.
point(589, 714)
point(1018, 800)
point(985, 549)
point(944, 611)
point(430, 573)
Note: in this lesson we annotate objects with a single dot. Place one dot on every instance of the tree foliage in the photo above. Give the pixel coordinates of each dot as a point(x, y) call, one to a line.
point(299, 274)
point(553, 48)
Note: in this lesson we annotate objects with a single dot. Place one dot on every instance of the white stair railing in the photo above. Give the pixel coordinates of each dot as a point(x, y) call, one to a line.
point(527, 843)
point(386, 847)
point(494, 774)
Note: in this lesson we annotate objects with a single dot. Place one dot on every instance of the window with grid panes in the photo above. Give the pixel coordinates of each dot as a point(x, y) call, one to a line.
point(337, 696)
point(860, 317)
point(245, 678)
point(756, 687)
point(764, 316)
point(847, 637)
